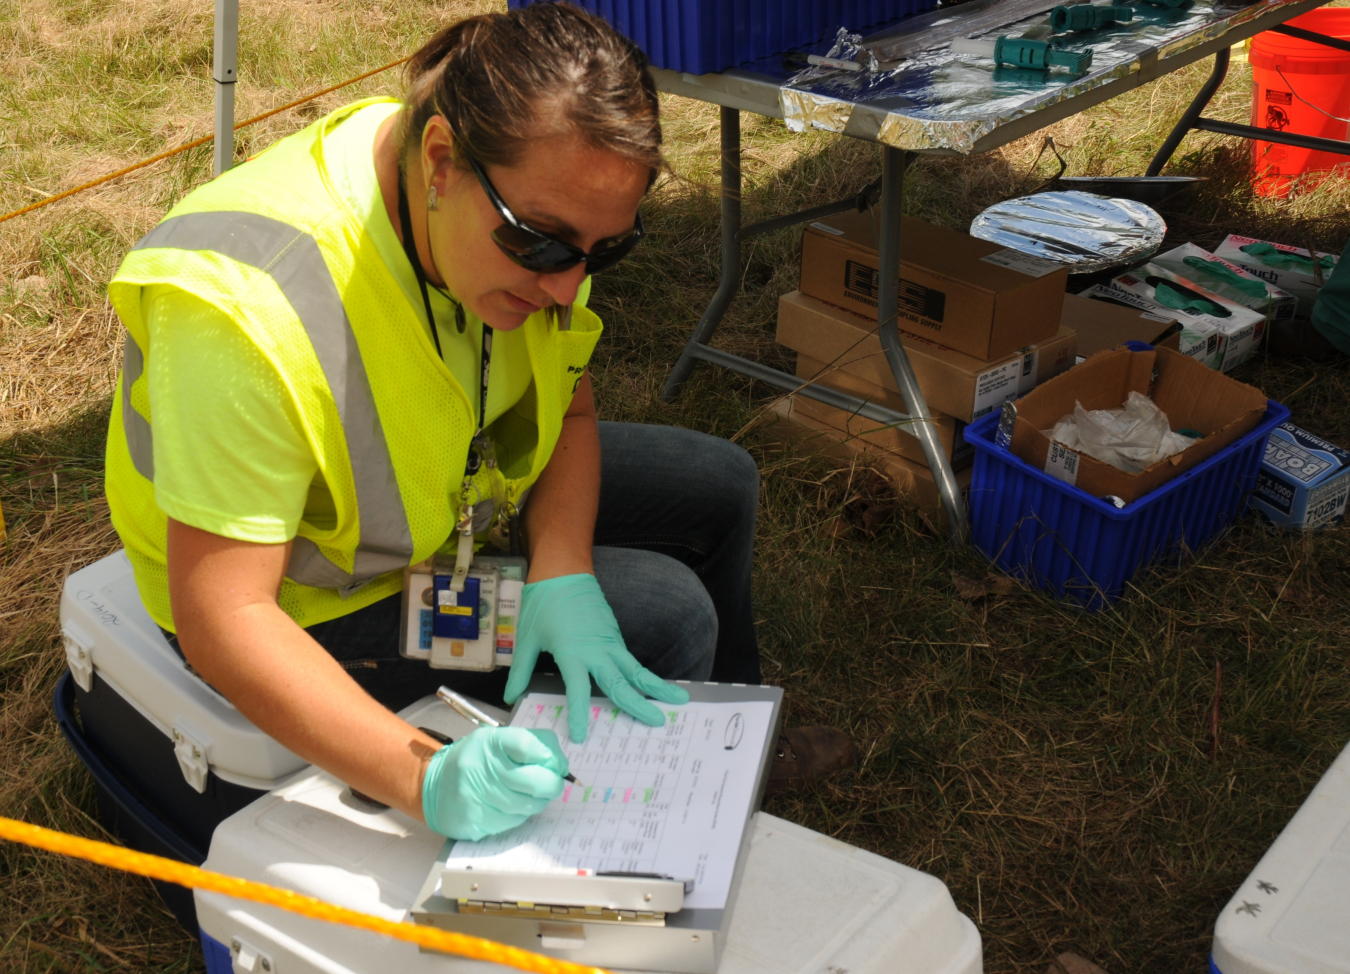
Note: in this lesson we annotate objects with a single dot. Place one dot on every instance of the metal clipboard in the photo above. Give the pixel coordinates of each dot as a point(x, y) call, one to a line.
point(636, 923)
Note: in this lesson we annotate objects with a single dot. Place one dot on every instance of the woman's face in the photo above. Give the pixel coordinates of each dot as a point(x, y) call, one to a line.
point(560, 186)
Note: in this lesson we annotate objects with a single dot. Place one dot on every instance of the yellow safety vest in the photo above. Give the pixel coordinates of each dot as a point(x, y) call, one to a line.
point(271, 245)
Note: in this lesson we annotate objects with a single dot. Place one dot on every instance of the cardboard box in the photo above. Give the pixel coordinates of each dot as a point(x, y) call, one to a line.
point(952, 382)
point(1302, 283)
point(913, 481)
point(967, 294)
point(896, 439)
point(1304, 480)
point(1192, 396)
point(1240, 330)
point(1102, 325)
point(1274, 304)
point(1220, 342)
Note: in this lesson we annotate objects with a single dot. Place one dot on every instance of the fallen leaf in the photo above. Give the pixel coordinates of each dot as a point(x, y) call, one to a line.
point(836, 527)
point(1298, 595)
point(1000, 584)
point(33, 282)
point(972, 588)
point(874, 515)
point(1068, 963)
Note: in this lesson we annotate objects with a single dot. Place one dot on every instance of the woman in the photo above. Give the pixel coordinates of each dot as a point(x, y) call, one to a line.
point(373, 337)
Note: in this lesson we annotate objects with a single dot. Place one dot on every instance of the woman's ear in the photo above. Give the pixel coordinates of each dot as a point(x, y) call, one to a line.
point(438, 147)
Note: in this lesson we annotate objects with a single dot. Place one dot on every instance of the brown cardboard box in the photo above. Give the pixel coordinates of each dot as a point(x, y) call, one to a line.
point(1192, 395)
point(1102, 325)
point(952, 382)
point(967, 294)
point(896, 439)
point(913, 481)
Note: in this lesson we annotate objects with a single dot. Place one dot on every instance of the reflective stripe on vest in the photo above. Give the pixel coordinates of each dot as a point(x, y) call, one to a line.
point(140, 441)
point(293, 261)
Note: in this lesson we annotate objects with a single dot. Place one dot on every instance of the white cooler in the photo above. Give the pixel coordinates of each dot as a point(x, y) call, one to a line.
point(170, 757)
point(1292, 914)
point(808, 904)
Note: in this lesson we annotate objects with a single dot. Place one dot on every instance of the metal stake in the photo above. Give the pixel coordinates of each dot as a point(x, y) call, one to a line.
point(224, 69)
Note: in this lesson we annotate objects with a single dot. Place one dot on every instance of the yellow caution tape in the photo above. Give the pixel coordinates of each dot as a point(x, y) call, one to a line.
point(171, 871)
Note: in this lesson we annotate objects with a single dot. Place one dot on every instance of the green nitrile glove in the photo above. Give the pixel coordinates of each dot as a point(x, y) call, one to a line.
point(568, 617)
point(1220, 272)
point(491, 781)
point(1271, 257)
point(1170, 297)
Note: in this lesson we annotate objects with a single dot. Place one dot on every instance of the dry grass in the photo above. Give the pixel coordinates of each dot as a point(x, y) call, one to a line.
point(1053, 768)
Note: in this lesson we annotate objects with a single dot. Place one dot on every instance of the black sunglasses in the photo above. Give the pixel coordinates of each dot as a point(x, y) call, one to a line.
point(537, 251)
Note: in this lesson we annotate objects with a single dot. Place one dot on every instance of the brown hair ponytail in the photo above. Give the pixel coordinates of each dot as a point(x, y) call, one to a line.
point(502, 79)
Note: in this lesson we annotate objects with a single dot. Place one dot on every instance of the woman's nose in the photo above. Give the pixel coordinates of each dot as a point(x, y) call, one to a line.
point(562, 287)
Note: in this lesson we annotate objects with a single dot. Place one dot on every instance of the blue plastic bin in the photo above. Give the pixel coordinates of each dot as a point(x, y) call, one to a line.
point(1055, 536)
point(702, 36)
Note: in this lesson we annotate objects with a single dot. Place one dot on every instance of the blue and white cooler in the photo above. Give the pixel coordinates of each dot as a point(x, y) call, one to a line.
point(179, 772)
point(1292, 914)
point(170, 757)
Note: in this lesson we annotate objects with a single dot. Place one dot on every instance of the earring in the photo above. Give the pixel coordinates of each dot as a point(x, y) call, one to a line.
point(432, 200)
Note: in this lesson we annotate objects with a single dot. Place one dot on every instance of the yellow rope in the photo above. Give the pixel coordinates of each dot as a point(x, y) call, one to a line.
point(193, 144)
point(168, 870)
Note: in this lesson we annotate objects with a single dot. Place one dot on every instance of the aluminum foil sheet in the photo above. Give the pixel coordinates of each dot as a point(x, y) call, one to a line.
point(1086, 231)
point(927, 98)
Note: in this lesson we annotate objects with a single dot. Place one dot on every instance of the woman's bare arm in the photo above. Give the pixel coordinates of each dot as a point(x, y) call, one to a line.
point(233, 632)
point(560, 515)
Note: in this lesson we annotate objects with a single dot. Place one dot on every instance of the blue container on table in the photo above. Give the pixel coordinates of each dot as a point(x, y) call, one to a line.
point(1054, 536)
point(703, 36)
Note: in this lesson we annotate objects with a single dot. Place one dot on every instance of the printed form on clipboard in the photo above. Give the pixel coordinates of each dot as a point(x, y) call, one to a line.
point(671, 800)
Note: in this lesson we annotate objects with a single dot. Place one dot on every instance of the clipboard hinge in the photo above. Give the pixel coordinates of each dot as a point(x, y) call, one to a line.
point(547, 911)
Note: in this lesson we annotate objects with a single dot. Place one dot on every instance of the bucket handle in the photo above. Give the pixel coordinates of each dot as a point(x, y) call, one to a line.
point(1304, 100)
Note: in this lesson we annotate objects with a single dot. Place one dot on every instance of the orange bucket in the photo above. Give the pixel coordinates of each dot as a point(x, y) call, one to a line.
point(1299, 86)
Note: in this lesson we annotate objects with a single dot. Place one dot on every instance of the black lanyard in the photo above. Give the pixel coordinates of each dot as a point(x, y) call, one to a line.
point(475, 459)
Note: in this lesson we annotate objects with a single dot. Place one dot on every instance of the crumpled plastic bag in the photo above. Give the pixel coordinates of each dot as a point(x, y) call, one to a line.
point(1130, 439)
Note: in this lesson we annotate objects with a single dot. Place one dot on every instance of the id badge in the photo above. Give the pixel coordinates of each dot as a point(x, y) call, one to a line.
point(470, 630)
point(416, 618)
point(513, 570)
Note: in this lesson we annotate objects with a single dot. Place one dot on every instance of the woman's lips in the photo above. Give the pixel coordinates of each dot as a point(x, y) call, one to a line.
point(520, 305)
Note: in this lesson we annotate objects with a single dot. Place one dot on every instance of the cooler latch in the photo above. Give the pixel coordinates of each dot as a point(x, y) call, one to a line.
point(79, 655)
point(191, 755)
point(247, 959)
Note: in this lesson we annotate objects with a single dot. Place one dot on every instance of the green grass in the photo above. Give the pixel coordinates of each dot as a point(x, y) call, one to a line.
point(1053, 768)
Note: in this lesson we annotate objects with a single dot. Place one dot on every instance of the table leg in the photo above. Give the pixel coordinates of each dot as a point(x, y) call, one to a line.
point(893, 165)
point(731, 254)
point(1192, 113)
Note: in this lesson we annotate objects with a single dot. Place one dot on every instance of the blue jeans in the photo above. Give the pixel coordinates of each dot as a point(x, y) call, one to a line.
point(674, 543)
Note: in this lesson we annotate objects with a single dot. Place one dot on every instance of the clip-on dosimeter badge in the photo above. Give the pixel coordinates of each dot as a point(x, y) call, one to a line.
point(456, 615)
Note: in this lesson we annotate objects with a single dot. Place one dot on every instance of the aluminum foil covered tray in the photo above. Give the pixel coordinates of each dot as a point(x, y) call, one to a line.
point(1087, 232)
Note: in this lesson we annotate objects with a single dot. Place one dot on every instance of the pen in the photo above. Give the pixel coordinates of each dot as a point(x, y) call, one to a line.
point(468, 711)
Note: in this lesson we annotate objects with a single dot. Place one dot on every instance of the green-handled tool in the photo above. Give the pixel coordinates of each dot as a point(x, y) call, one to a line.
point(1024, 52)
point(1087, 16)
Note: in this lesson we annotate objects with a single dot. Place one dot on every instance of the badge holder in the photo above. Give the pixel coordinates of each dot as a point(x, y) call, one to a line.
point(473, 629)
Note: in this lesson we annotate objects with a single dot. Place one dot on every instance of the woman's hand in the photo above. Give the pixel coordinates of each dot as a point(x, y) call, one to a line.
point(568, 617)
point(491, 781)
